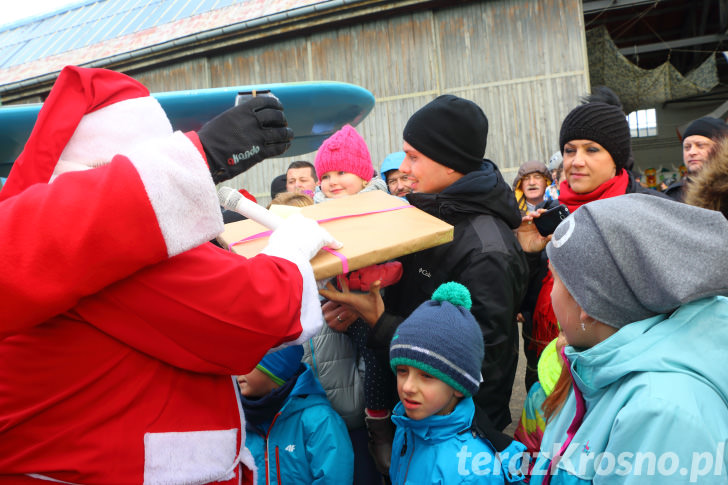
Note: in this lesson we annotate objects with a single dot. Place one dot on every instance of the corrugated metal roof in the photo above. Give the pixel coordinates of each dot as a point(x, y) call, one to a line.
point(96, 29)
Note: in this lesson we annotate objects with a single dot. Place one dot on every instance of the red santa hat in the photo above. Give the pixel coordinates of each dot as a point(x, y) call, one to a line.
point(89, 116)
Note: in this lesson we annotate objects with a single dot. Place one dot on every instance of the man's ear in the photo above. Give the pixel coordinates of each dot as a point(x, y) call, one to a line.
point(459, 394)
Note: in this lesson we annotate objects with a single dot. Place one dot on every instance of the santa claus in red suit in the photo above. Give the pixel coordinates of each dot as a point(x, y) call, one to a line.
point(121, 327)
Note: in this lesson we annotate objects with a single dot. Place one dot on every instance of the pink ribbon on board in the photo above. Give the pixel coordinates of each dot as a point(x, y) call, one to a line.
point(342, 258)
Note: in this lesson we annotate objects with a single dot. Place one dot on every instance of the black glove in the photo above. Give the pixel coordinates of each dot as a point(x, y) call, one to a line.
point(245, 135)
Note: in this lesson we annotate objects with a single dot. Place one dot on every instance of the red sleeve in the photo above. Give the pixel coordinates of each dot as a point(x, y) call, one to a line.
point(205, 310)
point(195, 139)
point(62, 241)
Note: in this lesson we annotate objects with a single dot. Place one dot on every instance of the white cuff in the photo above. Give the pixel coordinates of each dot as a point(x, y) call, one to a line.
point(311, 316)
point(181, 191)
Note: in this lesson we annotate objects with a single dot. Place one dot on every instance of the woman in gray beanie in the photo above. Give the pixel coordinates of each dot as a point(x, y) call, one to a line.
point(646, 344)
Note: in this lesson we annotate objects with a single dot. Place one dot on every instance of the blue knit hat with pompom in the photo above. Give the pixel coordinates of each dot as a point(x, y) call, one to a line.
point(442, 338)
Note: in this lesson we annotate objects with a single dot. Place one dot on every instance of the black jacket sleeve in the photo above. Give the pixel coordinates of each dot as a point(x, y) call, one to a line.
point(497, 283)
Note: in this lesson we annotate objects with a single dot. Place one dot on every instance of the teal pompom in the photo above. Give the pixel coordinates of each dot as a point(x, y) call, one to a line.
point(455, 293)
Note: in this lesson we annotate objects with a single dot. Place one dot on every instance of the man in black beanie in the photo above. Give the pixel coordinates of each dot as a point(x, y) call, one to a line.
point(444, 143)
point(699, 142)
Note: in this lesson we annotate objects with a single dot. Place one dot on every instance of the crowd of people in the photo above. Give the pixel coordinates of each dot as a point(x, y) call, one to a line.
point(135, 351)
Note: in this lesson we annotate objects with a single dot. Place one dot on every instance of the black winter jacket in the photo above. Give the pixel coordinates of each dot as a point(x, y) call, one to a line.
point(676, 190)
point(634, 188)
point(486, 257)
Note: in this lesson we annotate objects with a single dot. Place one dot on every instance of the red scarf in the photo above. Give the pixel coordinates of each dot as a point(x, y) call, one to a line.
point(613, 187)
point(545, 328)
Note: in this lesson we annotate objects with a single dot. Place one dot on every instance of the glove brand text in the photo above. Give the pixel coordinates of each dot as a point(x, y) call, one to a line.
point(239, 157)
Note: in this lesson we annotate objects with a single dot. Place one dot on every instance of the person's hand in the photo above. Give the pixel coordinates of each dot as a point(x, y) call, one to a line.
point(244, 135)
point(528, 236)
point(369, 306)
point(338, 317)
point(300, 234)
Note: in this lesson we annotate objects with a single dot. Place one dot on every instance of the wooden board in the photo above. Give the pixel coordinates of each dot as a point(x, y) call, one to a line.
point(373, 226)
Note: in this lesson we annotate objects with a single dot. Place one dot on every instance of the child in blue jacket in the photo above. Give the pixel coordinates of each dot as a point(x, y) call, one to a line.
point(292, 431)
point(436, 355)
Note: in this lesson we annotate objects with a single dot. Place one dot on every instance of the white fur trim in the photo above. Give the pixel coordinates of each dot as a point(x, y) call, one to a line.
point(193, 457)
point(312, 318)
point(181, 190)
point(113, 130)
point(245, 456)
point(174, 173)
point(247, 460)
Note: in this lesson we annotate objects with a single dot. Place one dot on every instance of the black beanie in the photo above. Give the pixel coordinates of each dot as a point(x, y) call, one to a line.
point(451, 131)
point(278, 185)
point(603, 123)
point(708, 127)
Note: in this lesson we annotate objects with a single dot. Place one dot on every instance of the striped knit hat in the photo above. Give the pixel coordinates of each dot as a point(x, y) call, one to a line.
point(442, 338)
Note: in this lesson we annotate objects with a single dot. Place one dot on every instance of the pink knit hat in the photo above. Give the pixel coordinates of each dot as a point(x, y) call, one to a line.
point(345, 151)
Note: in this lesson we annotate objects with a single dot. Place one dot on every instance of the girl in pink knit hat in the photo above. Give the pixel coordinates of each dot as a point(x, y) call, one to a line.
point(344, 166)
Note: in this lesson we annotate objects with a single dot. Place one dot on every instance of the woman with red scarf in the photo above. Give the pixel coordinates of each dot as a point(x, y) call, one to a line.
point(595, 141)
point(596, 144)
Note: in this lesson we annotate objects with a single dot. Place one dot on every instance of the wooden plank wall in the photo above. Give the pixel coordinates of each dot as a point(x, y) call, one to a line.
point(523, 61)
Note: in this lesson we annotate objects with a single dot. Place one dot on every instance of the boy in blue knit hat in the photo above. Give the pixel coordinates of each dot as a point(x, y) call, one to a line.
point(436, 355)
point(292, 431)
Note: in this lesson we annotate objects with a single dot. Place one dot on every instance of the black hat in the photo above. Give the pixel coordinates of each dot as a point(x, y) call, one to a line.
point(278, 185)
point(708, 127)
point(451, 131)
point(603, 123)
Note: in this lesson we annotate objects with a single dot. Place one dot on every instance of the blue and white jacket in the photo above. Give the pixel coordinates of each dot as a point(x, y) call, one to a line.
point(306, 442)
point(655, 403)
point(445, 450)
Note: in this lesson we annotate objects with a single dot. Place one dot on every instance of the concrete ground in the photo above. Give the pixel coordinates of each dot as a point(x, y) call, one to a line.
point(519, 389)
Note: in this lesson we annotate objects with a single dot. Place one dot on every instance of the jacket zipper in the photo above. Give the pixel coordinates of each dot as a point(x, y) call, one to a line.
point(278, 467)
point(267, 458)
point(409, 461)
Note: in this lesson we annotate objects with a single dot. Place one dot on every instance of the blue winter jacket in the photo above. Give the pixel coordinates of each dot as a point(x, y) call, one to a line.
point(306, 443)
point(656, 400)
point(444, 449)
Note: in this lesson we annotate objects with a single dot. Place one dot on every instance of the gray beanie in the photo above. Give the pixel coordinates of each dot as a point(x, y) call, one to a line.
point(631, 257)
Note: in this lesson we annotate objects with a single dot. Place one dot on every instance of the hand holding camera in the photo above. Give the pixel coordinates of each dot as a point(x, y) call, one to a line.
point(536, 228)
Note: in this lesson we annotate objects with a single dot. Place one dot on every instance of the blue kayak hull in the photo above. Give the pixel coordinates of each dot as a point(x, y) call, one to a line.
point(314, 111)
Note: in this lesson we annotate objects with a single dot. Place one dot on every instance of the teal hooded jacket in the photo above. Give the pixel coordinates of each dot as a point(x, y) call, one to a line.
point(306, 442)
point(445, 450)
point(655, 402)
